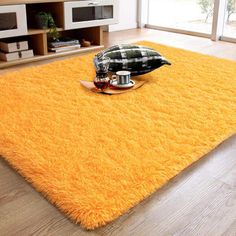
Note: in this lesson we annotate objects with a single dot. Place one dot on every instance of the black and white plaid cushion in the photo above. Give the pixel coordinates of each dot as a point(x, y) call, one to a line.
point(136, 59)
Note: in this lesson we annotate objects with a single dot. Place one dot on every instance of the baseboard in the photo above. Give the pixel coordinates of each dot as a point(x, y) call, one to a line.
point(118, 27)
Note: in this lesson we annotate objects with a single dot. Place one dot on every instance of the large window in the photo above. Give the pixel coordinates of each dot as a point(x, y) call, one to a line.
point(194, 16)
point(191, 15)
point(230, 19)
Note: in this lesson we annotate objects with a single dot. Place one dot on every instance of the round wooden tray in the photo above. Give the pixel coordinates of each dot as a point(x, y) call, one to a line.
point(112, 90)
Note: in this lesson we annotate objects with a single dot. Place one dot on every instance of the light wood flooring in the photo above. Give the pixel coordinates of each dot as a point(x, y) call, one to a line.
point(199, 201)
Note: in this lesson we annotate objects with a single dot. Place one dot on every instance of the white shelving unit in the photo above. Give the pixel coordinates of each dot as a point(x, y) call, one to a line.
point(77, 19)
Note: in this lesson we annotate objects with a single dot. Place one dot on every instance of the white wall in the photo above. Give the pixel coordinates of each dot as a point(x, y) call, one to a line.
point(127, 16)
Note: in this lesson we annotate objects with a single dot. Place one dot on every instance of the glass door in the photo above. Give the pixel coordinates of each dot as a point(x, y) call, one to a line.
point(229, 28)
point(92, 13)
point(183, 15)
point(8, 21)
point(215, 19)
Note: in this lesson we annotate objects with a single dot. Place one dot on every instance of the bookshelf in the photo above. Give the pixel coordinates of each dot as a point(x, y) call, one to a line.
point(88, 27)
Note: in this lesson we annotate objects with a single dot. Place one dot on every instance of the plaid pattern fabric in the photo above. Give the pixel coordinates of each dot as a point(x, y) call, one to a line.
point(136, 59)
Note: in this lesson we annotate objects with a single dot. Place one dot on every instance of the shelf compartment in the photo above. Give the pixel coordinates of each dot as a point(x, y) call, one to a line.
point(50, 55)
point(39, 43)
point(55, 8)
point(93, 34)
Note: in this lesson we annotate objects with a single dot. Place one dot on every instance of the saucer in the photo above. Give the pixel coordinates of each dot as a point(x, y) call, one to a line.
point(129, 85)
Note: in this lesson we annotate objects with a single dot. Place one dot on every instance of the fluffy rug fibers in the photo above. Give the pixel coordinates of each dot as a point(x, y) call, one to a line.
point(95, 156)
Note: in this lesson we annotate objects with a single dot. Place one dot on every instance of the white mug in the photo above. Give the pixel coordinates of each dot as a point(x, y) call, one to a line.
point(122, 77)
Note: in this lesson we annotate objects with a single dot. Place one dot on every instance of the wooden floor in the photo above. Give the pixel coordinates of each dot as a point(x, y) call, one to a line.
point(199, 201)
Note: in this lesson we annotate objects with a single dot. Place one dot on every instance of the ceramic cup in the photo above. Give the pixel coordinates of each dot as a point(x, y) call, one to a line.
point(122, 77)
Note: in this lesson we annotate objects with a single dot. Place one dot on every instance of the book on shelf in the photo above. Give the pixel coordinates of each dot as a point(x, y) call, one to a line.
point(63, 43)
point(64, 49)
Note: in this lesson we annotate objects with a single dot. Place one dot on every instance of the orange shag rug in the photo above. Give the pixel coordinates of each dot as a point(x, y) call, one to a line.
point(95, 156)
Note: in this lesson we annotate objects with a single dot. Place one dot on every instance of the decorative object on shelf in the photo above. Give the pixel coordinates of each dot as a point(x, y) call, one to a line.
point(112, 90)
point(53, 32)
point(45, 20)
point(11, 51)
point(85, 43)
point(102, 80)
point(12, 56)
point(9, 46)
point(41, 19)
point(134, 58)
